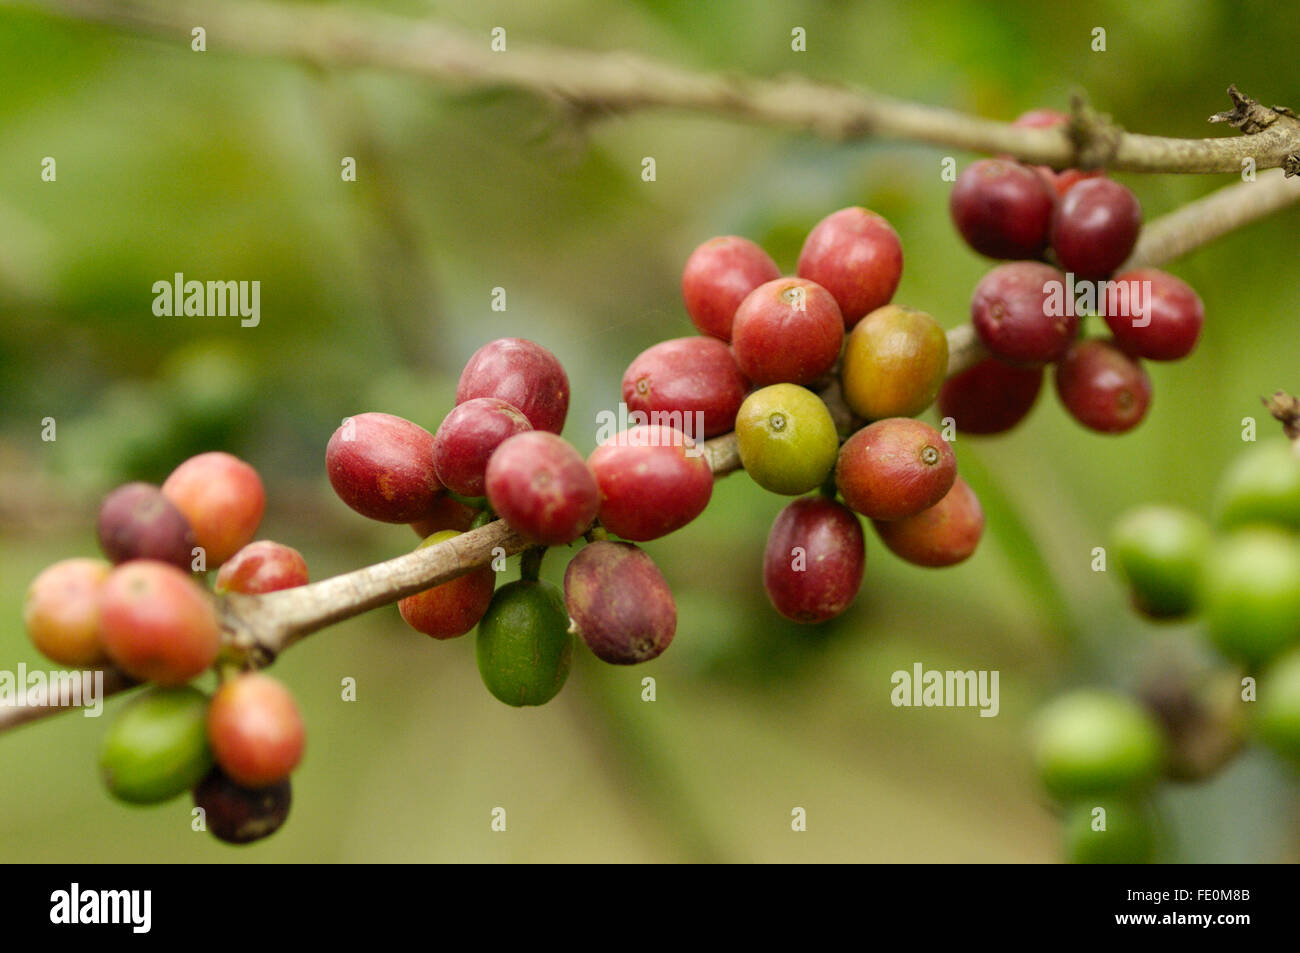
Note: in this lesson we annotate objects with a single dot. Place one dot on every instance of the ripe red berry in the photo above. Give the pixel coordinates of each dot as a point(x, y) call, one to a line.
point(1171, 315)
point(942, 535)
point(453, 608)
point(683, 377)
point(1095, 227)
point(991, 397)
point(382, 467)
point(62, 611)
point(619, 603)
point(262, 566)
point(1002, 209)
point(255, 730)
point(136, 521)
point(1021, 313)
point(539, 484)
point(467, 438)
point(815, 556)
point(445, 513)
point(524, 375)
point(240, 815)
point(718, 276)
point(894, 468)
point(223, 499)
point(1061, 181)
point(787, 331)
point(854, 254)
point(653, 480)
point(156, 623)
point(1102, 387)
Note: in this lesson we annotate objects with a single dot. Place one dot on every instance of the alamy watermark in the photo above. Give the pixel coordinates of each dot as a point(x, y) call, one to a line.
point(922, 688)
point(213, 299)
point(1130, 298)
point(610, 425)
point(38, 689)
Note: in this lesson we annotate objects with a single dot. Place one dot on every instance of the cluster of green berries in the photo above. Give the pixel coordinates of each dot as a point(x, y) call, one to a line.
point(145, 609)
point(1239, 573)
point(1049, 225)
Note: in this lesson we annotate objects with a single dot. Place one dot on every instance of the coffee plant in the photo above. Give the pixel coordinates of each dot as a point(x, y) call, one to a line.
point(813, 384)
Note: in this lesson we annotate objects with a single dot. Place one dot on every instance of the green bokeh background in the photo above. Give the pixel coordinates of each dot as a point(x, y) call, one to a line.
point(374, 293)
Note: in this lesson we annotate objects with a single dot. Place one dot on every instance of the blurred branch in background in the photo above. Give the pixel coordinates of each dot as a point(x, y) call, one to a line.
point(614, 82)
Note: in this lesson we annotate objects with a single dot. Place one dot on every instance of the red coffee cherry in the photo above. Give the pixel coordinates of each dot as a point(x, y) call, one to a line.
point(136, 521)
point(1002, 209)
point(467, 438)
point(1059, 182)
point(619, 603)
point(815, 556)
point(894, 468)
point(1095, 227)
point(687, 376)
point(787, 331)
point(222, 498)
point(255, 730)
point(991, 397)
point(1022, 314)
point(445, 513)
point(382, 467)
point(856, 256)
point(524, 375)
point(718, 275)
point(1102, 387)
point(239, 815)
point(1171, 319)
point(157, 624)
point(62, 611)
point(453, 608)
point(653, 480)
point(943, 535)
point(539, 484)
point(262, 566)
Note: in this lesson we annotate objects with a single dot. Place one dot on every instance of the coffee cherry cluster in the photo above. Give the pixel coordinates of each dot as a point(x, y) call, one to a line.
point(791, 339)
point(498, 454)
point(1065, 234)
point(145, 609)
point(1240, 574)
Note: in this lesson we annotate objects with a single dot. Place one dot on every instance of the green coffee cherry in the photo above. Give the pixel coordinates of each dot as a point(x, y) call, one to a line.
point(1109, 831)
point(1251, 594)
point(1093, 742)
point(786, 438)
point(1277, 712)
point(157, 747)
point(524, 645)
point(1160, 551)
point(1261, 486)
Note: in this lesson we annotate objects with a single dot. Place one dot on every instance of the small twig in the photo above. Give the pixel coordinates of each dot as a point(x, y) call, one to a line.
point(591, 83)
point(1285, 408)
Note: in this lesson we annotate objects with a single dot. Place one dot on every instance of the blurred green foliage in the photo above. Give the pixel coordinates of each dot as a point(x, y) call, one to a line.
point(375, 292)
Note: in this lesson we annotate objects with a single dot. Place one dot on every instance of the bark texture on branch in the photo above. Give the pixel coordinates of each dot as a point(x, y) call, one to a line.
point(593, 83)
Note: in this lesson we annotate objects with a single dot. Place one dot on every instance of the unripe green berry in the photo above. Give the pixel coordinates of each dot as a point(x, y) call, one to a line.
point(1093, 742)
point(787, 439)
point(157, 747)
point(524, 645)
point(1160, 550)
point(1110, 831)
point(1261, 486)
point(1251, 593)
point(1277, 713)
